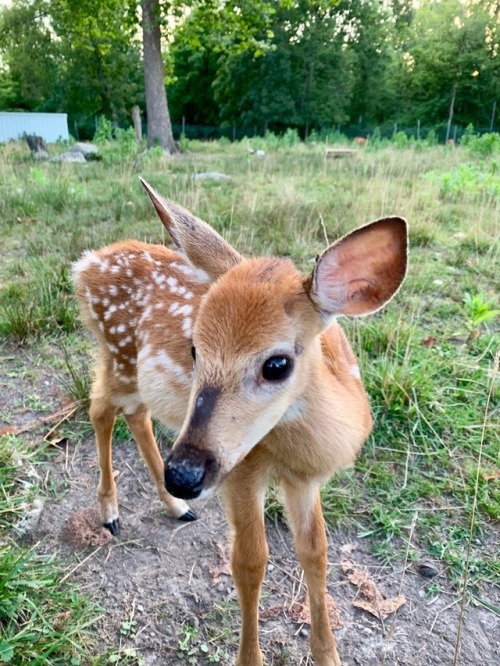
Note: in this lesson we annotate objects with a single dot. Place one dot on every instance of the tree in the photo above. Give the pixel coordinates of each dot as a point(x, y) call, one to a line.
point(70, 56)
point(159, 125)
point(449, 66)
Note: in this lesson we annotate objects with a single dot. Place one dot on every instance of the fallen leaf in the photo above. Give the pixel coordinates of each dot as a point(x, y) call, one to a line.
point(23, 220)
point(300, 612)
point(374, 601)
point(348, 548)
point(429, 342)
point(223, 566)
point(271, 612)
point(382, 608)
point(8, 430)
point(492, 475)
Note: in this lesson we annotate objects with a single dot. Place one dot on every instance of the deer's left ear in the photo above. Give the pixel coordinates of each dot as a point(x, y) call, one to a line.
point(361, 272)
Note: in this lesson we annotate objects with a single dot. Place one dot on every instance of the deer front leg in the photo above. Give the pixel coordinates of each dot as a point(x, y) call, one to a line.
point(244, 492)
point(142, 431)
point(306, 517)
point(102, 414)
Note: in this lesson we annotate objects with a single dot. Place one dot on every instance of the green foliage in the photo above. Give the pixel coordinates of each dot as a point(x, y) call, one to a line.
point(400, 140)
point(468, 180)
point(104, 131)
point(478, 311)
point(39, 303)
point(482, 146)
point(43, 621)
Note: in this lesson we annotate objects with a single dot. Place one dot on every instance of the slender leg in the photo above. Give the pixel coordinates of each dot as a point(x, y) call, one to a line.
point(244, 492)
point(142, 431)
point(306, 517)
point(102, 415)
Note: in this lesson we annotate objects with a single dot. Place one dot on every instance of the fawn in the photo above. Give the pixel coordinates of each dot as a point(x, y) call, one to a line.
point(244, 359)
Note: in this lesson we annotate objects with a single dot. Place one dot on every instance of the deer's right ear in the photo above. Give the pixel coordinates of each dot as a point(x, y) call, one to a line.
point(202, 245)
point(361, 272)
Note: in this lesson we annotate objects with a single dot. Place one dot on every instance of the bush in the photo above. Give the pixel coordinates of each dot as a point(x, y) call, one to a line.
point(482, 146)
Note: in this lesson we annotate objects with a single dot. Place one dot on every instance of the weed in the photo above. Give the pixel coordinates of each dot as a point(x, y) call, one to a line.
point(477, 311)
point(79, 380)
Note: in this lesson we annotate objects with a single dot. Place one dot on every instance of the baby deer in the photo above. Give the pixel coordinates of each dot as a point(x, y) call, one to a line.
point(244, 359)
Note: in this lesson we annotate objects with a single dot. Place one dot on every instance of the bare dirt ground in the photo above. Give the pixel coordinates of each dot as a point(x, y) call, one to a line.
point(165, 586)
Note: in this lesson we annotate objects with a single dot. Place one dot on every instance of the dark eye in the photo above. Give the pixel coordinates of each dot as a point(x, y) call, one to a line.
point(276, 368)
point(193, 353)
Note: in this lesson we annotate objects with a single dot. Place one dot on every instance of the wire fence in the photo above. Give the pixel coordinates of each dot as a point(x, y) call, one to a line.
point(84, 129)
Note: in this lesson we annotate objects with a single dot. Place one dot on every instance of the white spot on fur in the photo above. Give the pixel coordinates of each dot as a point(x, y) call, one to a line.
point(172, 282)
point(187, 327)
point(104, 265)
point(109, 312)
point(115, 269)
point(125, 341)
point(188, 295)
point(183, 268)
point(147, 313)
point(113, 290)
point(120, 328)
point(88, 259)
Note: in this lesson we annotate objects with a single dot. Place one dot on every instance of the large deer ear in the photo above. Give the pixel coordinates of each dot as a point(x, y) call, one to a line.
point(201, 244)
point(361, 272)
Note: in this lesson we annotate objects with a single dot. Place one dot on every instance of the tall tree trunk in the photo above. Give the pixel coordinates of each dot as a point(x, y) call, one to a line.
point(159, 125)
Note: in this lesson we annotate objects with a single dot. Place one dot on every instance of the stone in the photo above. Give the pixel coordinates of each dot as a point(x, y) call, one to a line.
point(85, 148)
point(69, 156)
point(211, 175)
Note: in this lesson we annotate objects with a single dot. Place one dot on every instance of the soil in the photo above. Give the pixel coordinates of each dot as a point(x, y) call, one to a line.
point(166, 590)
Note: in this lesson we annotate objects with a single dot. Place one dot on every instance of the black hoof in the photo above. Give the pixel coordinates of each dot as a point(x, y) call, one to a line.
point(188, 517)
point(113, 526)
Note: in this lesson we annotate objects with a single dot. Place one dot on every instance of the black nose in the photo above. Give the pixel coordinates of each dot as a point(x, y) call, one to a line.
point(187, 471)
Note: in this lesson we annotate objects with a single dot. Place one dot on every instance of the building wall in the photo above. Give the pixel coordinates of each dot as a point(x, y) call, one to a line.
point(50, 126)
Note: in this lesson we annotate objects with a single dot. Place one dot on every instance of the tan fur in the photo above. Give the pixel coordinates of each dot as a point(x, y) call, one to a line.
point(148, 305)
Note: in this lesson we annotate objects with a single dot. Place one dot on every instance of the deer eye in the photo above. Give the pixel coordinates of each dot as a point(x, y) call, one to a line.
point(193, 352)
point(277, 368)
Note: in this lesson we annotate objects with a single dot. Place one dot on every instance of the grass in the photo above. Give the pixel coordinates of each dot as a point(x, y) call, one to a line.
point(43, 621)
point(427, 359)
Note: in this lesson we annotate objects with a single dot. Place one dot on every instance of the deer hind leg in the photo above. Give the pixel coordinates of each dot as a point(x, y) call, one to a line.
point(141, 428)
point(102, 415)
point(306, 517)
point(244, 491)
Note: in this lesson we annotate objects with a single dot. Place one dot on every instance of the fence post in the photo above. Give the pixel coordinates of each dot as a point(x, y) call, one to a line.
point(395, 129)
point(455, 135)
point(492, 124)
point(136, 118)
point(418, 130)
point(183, 125)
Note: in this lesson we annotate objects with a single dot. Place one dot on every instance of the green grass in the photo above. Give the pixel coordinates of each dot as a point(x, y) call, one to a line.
point(43, 621)
point(429, 468)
